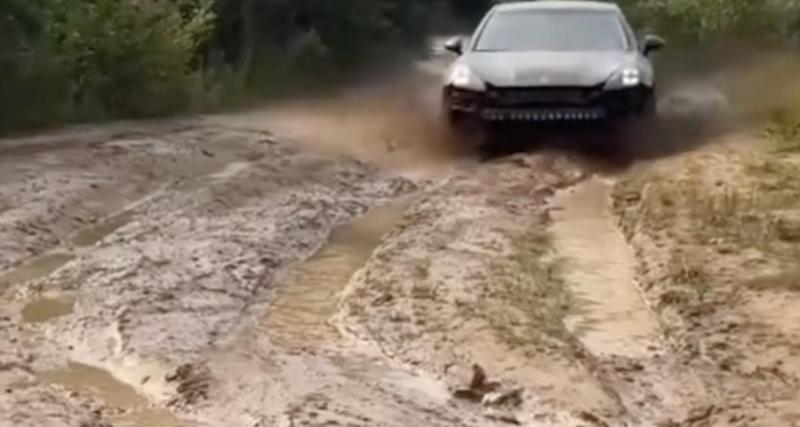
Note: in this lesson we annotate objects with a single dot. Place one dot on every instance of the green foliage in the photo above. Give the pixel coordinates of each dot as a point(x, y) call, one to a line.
point(75, 59)
point(710, 22)
point(129, 58)
point(286, 43)
point(27, 70)
point(95, 59)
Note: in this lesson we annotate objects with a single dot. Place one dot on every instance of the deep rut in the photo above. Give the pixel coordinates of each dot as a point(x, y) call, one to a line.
point(609, 317)
point(311, 292)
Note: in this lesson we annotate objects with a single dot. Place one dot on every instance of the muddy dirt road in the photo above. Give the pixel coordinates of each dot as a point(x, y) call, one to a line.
point(344, 263)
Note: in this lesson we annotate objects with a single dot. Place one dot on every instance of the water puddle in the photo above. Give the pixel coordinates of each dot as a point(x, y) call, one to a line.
point(611, 317)
point(39, 267)
point(135, 410)
point(47, 308)
point(310, 295)
point(91, 235)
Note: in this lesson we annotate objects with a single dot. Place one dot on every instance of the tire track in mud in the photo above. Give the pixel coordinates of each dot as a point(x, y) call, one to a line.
point(202, 283)
point(610, 316)
point(109, 380)
point(73, 246)
point(133, 408)
point(312, 289)
point(317, 193)
point(68, 184)
point(448, 290)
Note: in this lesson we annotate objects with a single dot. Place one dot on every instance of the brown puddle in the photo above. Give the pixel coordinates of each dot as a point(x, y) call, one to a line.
point(98, 382)
point(91, 235)
point(311, 292)
point(611, 317)
point(47, 308)
point(39, 267)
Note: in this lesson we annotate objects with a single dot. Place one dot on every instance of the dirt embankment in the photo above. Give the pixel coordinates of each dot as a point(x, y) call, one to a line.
point(716, 233)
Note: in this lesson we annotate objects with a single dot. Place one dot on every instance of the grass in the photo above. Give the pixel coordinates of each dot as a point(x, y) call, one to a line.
point(784, 132)
point(775, 175)
point(757, 210)
point(754, 205)
point(689, 271)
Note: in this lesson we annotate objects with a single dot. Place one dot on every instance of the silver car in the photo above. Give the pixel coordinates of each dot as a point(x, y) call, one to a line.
point(551, 61)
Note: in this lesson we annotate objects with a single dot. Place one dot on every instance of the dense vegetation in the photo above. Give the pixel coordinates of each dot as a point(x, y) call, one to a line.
point(64, 60)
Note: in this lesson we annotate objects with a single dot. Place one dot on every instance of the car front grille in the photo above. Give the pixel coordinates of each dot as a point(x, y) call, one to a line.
point(544, 96)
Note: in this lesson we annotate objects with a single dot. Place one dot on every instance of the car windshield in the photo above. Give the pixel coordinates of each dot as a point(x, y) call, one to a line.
point(553, 30)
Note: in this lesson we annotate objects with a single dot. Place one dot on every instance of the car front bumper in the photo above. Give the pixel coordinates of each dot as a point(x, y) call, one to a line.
point(546, 104)
point(543, 114)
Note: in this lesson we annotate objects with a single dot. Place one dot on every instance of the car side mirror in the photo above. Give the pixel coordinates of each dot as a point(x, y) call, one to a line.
point(652, 43)
point(455, 45)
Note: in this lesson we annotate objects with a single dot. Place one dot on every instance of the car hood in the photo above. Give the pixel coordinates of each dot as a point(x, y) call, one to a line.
point(510, 69)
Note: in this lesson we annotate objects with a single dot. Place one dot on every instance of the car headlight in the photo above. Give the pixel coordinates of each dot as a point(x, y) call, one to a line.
point(463, 77)
point(625, 78)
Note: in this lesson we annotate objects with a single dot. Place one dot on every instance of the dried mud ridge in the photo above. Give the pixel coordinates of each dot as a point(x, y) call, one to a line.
point(200, 274)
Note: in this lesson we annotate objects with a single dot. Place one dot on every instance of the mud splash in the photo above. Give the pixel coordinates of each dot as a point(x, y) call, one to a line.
point(133, 410)
point(611, 317)
point(47, 308)
point(311, 292)
point(39, 267)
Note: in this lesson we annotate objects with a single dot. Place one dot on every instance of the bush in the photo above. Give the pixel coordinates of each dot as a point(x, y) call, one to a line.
point(33, 80)
point(717, 22)
point(130, 58)
point(288, 43)
point(89, 59)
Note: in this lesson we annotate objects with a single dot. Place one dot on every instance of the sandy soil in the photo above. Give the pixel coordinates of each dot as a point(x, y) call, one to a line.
point(713, 233)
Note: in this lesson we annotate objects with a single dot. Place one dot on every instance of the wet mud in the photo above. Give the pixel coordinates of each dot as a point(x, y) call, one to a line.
point(89, 236)
point(347, 262)
point(608, 315)
point(36, 268)
point(47, 308)
point(125, 406)
point(146, 279)
point(311, 293)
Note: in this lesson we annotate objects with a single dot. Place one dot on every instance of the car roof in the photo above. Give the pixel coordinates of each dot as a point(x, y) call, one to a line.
point(557, 5)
